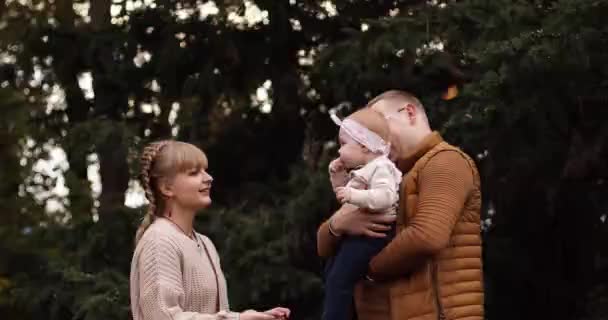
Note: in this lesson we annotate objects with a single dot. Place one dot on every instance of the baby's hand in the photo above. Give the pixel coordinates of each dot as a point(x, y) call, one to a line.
point(336, 165)
point(343, 194)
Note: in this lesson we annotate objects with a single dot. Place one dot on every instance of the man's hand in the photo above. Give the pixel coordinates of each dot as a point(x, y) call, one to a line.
point(353, 221)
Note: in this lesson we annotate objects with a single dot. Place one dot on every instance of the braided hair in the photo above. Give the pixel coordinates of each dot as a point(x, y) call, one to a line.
point(148, 156)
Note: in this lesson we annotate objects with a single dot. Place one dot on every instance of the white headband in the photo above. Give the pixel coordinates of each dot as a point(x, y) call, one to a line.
point(362, 135)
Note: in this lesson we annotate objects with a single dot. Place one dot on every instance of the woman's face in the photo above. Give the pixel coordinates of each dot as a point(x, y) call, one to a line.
point(191, 189)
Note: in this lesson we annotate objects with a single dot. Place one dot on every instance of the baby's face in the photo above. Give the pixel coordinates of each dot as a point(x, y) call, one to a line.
point(351, 152)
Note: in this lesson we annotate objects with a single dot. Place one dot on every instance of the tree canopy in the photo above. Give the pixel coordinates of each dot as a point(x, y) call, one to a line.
point(251, 83)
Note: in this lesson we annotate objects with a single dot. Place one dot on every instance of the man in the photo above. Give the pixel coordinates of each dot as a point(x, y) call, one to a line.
point(432, 269)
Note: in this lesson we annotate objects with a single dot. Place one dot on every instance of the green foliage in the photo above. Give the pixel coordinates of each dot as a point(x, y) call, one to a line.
point(265, 247)
point(80, 272)
point(532, 104)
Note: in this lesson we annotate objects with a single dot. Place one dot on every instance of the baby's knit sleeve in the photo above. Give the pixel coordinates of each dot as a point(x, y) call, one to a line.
point(381, 194)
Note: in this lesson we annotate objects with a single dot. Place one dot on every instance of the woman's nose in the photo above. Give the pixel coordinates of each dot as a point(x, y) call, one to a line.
point(207, 178)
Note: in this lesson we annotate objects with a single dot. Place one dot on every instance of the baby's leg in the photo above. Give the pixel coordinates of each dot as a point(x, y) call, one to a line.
point(347, 268)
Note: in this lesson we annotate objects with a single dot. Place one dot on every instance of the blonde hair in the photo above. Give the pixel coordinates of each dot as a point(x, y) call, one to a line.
point(372, 120)
point(163, 160)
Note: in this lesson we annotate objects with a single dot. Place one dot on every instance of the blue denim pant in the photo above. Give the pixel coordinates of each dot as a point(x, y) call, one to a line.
point(346, 269)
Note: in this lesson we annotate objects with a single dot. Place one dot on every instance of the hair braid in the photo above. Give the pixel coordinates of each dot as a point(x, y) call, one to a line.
point(147, 160)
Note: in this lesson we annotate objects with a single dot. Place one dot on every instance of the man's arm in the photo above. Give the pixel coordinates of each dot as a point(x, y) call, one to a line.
point(326, 242)
point(444, 185)
point(352, 221)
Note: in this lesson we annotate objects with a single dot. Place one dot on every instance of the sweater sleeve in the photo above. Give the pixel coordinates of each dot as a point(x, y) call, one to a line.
point(444, 185)
point(326, 242)
point(162, 294)
point(381, 194)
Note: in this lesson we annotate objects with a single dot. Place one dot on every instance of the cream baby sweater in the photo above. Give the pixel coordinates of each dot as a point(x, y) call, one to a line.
point(374, 186)
point(174, 277)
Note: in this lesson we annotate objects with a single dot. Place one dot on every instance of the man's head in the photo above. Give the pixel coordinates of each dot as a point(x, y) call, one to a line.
point(407, 120)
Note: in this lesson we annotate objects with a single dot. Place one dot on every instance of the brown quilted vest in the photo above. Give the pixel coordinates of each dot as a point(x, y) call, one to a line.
point(448, 286)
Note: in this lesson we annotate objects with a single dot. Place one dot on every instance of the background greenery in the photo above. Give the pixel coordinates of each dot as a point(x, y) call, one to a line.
point(99, 79)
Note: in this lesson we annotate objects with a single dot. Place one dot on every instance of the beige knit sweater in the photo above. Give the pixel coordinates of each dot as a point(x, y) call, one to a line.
point(175, 277)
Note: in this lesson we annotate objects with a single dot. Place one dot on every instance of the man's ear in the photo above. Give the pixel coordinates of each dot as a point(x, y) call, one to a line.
point(165, 187)
point(412, 112)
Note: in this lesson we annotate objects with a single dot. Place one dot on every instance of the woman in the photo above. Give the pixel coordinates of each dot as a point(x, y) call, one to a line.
point(175, 271)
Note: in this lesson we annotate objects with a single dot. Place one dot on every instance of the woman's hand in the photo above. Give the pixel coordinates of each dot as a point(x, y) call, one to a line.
point(279, 313)
point(254, 315)
point(353, 221)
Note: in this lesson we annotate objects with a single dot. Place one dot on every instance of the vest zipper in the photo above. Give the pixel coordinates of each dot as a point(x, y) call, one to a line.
point(435, 282)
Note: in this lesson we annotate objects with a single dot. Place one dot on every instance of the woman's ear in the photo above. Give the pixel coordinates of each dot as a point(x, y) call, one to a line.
point(166, 188)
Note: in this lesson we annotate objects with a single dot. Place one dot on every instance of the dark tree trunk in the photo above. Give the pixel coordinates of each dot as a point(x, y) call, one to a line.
point(110, 105)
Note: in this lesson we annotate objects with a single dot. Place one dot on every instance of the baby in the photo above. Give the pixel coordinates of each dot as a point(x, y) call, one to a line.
point(362, 176)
